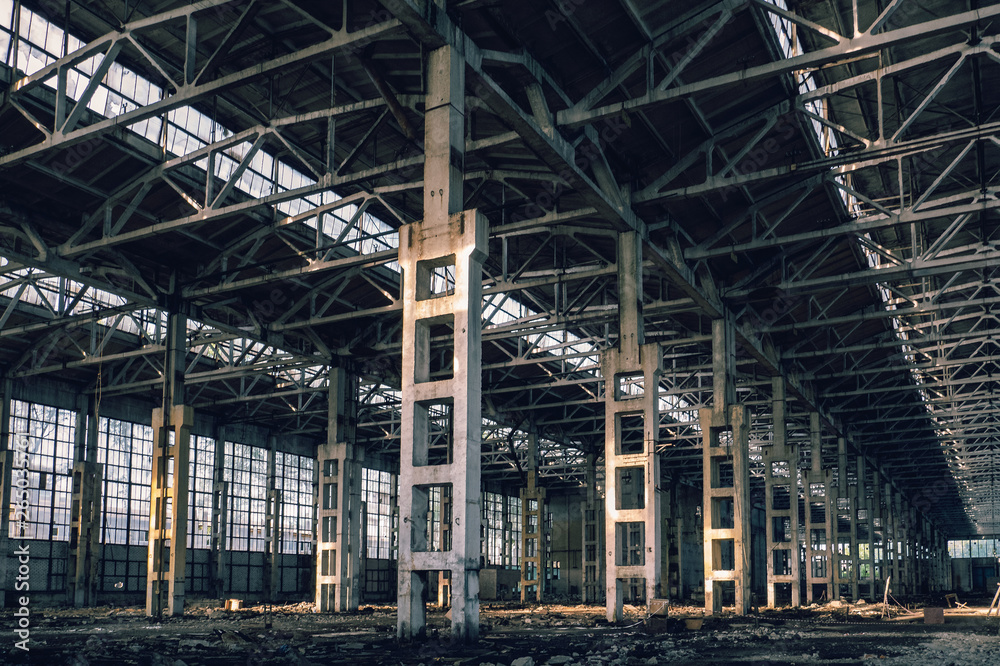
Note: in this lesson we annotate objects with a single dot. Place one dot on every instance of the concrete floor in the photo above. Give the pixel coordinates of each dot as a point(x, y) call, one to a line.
point(512, 634)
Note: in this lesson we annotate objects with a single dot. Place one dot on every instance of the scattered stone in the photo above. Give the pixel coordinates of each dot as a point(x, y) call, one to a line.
point(559, 659)
point(523, 661)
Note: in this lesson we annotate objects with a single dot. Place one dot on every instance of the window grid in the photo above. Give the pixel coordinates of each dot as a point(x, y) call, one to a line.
point(295, 481)
point(514, 517)
point(50, 433)
point(201, 487)
point(245, 468)
point(126, 451)
point(377, 491)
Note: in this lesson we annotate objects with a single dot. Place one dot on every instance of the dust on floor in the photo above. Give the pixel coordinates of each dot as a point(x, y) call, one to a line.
point(512, 635)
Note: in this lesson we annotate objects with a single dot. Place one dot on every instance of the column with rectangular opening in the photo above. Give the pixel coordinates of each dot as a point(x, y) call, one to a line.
point(902, 546)
point(167, 552)
point(818, 482)
point(725, 433)
point(864, 531)
point(441, 425)
point(726, 510)
point(338, 511)
point(532, 529)
point(845, 569)
point(631, 374)
point(880, 528)
point(781, 495)
point(889, 531)
point(593, 556)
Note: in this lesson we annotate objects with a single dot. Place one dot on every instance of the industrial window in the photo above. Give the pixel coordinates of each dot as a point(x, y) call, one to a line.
point(295, 481)
point(514, 516)
point(377, 491)
point(126, 451)
point(502, 521)
point(47, 434)
point(245, 468)
point(493, 526)
point(201, 489)
point(974, 548)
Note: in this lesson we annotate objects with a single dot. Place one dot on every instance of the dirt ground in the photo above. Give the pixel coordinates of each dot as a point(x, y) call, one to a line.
point(512, 635)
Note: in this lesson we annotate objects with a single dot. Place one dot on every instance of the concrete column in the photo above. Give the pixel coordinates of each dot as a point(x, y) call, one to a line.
point(533, 562)
point(338, 541)
point(508, 540)
point(85, 530)
point(904, 551)
point(907, 545)
point(85, 517)
point(781, 496)
point(896, 521)
point(845, 550)
point(819, 574)
point(727, 507)
point(631, 373)
point(879, 557)
point(272, 526)
point(442, 257)
point(9, 459)
point(593, 530)
point(220, 517)
point(169, 500)
point(864, 531)
point(674, 561)
point(725, 430)
point(946, 583)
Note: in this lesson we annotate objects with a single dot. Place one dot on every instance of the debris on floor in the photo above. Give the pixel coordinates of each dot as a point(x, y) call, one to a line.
point(512, 634)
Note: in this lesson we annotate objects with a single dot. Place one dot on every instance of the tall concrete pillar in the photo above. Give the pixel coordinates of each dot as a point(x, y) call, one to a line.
point(338, 461)
point(631, 373)
point(910, 561)
point(272, 526)
point(781, 497)
point(593, 532)
point(533, 562)
point(819, 574)
point(218, 558)
point(169, 501)
point(725, 431)
point(85, 516)
point(442, 258)
point(879, 556)
point(890, 518)
point(864, 531)
point(845, 551)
